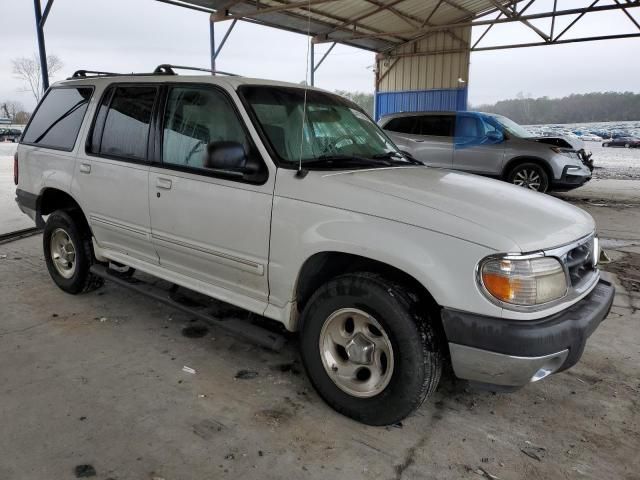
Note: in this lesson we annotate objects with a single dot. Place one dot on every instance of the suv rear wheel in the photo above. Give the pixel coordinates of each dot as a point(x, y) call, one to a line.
point(367, 349)
point(68, 253)
point(529, 175)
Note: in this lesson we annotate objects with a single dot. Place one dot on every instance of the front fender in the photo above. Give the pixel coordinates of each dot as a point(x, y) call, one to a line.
point(444, 265)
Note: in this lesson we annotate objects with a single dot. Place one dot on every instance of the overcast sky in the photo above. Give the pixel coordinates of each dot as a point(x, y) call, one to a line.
point(137, 35)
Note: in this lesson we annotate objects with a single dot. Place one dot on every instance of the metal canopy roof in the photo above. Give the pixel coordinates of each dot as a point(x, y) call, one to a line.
point(384, 25)
point(368, 24)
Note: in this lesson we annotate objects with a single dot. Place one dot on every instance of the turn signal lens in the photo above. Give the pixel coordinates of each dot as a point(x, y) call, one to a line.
point(524, 282)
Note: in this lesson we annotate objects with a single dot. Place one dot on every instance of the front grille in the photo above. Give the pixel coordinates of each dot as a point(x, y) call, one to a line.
point(579, 263)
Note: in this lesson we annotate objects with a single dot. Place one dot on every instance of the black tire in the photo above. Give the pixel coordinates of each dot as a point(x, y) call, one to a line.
point(525, 169)
point(417, 359)
point(81, 280)
point(605, 144)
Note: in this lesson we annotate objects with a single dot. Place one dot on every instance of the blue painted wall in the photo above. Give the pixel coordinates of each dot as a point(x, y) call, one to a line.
point(445, 99)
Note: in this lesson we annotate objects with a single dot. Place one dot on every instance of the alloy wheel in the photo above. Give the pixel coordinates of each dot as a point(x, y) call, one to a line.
point(527, 178)
point(356, 352)
point(63, 253)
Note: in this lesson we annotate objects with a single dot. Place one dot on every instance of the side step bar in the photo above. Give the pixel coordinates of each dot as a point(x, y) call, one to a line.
point(235, 326)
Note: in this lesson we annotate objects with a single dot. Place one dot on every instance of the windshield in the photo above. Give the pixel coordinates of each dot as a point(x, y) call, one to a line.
point(511, 127)
point(334, 128)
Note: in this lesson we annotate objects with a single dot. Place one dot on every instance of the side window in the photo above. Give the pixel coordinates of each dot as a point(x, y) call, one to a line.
point(197, 122)
point(402, 125)
point(58, 118)
point(436, 125)
point(468, 126)
point(122, 125)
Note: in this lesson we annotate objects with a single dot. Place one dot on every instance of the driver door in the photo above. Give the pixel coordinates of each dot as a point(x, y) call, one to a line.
point(211, 228)
point(473, 150)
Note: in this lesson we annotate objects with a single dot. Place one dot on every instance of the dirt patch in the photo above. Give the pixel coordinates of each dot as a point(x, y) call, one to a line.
point(627, 270)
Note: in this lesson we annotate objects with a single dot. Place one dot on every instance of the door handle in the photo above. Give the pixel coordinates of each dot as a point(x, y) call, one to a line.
point(85, 168)
point(163, 183)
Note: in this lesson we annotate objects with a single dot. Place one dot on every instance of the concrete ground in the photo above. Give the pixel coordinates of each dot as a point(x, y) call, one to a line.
point(96, 383)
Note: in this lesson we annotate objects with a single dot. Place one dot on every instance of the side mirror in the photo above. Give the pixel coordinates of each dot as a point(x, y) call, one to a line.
point(226, 155)
point(495, 137)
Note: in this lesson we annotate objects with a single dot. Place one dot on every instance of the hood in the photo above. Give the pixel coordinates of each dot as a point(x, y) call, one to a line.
point(480, 210)
point(561, 141)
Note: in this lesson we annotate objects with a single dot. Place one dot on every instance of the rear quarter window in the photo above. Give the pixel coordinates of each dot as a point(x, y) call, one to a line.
point(58, 118)
point(402, 125)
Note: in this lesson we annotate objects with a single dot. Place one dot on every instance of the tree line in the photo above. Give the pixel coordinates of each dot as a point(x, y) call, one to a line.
point(576, 108)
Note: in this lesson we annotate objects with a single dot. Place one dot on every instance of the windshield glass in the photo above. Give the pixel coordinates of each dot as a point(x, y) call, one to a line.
point(511, 127)
point(334, 128)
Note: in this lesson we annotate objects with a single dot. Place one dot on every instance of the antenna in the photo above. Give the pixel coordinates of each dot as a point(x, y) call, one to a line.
point(301, 173)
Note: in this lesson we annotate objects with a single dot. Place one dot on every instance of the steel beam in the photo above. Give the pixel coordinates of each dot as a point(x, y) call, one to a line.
point(477, 23)
point(517, 45)
point(279, 8)
point(212, 44)
point(42, 50)
point(224, 39)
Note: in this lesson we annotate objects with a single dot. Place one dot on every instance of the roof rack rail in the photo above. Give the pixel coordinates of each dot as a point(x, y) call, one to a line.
point(168, 69)
point(86, 73)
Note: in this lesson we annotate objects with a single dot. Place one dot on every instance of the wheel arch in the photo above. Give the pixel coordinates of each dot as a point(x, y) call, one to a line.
point(515, 161)
point(321, 267)
point(51, 199)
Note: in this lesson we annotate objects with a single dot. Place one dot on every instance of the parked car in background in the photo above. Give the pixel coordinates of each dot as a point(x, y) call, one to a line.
point(9, 134)
point(626, 142)
point(291, 203)
point(590, 138)
point(491, 145)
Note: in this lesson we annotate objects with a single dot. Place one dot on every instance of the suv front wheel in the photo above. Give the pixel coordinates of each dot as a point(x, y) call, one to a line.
point(368, 351)
point(529, 175)
point(68, 252)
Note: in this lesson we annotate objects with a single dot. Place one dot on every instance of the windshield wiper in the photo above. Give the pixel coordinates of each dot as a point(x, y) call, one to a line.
point(396, 156)
point(341, 160)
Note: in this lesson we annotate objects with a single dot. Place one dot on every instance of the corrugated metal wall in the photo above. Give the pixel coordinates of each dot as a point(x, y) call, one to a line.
point(411, 79)
point(449, 99)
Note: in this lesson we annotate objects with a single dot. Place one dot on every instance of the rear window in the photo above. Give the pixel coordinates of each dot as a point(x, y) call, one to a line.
point(58, 118)
point(402, 125)
point(121, 127)
point(436, 125)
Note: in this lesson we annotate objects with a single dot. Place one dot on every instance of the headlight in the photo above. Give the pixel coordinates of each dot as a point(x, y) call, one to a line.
point(524, 282)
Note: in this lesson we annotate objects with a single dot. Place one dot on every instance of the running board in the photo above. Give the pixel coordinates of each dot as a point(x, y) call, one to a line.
point(235, 326)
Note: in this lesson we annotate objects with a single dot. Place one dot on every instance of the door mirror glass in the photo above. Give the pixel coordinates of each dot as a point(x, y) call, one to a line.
point(226, 155)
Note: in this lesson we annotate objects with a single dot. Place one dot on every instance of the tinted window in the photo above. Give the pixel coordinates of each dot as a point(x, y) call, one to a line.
point(402, 125)
point(436, 125)
point(197, 118)
point(469, 127)
point(57, 121)
point(126, 114)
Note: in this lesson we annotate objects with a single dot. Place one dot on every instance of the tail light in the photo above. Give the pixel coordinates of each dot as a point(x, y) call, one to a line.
point(15, 168)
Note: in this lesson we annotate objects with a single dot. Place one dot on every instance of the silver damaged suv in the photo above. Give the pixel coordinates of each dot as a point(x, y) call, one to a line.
point(491, 145)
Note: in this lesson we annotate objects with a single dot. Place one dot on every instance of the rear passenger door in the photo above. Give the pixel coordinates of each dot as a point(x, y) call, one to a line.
point(427, 137)
point(112, 176)
point(209, 225)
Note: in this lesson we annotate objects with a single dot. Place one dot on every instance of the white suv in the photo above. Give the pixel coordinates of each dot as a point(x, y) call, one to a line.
point(292, 203)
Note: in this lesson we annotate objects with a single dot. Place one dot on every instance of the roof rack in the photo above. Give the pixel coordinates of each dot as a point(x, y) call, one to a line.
point(94, 73)
point(168, 69)
point(164, 69)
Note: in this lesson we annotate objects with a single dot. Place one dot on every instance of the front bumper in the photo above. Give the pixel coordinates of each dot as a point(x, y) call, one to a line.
point(512, 353)
point(572, 177)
